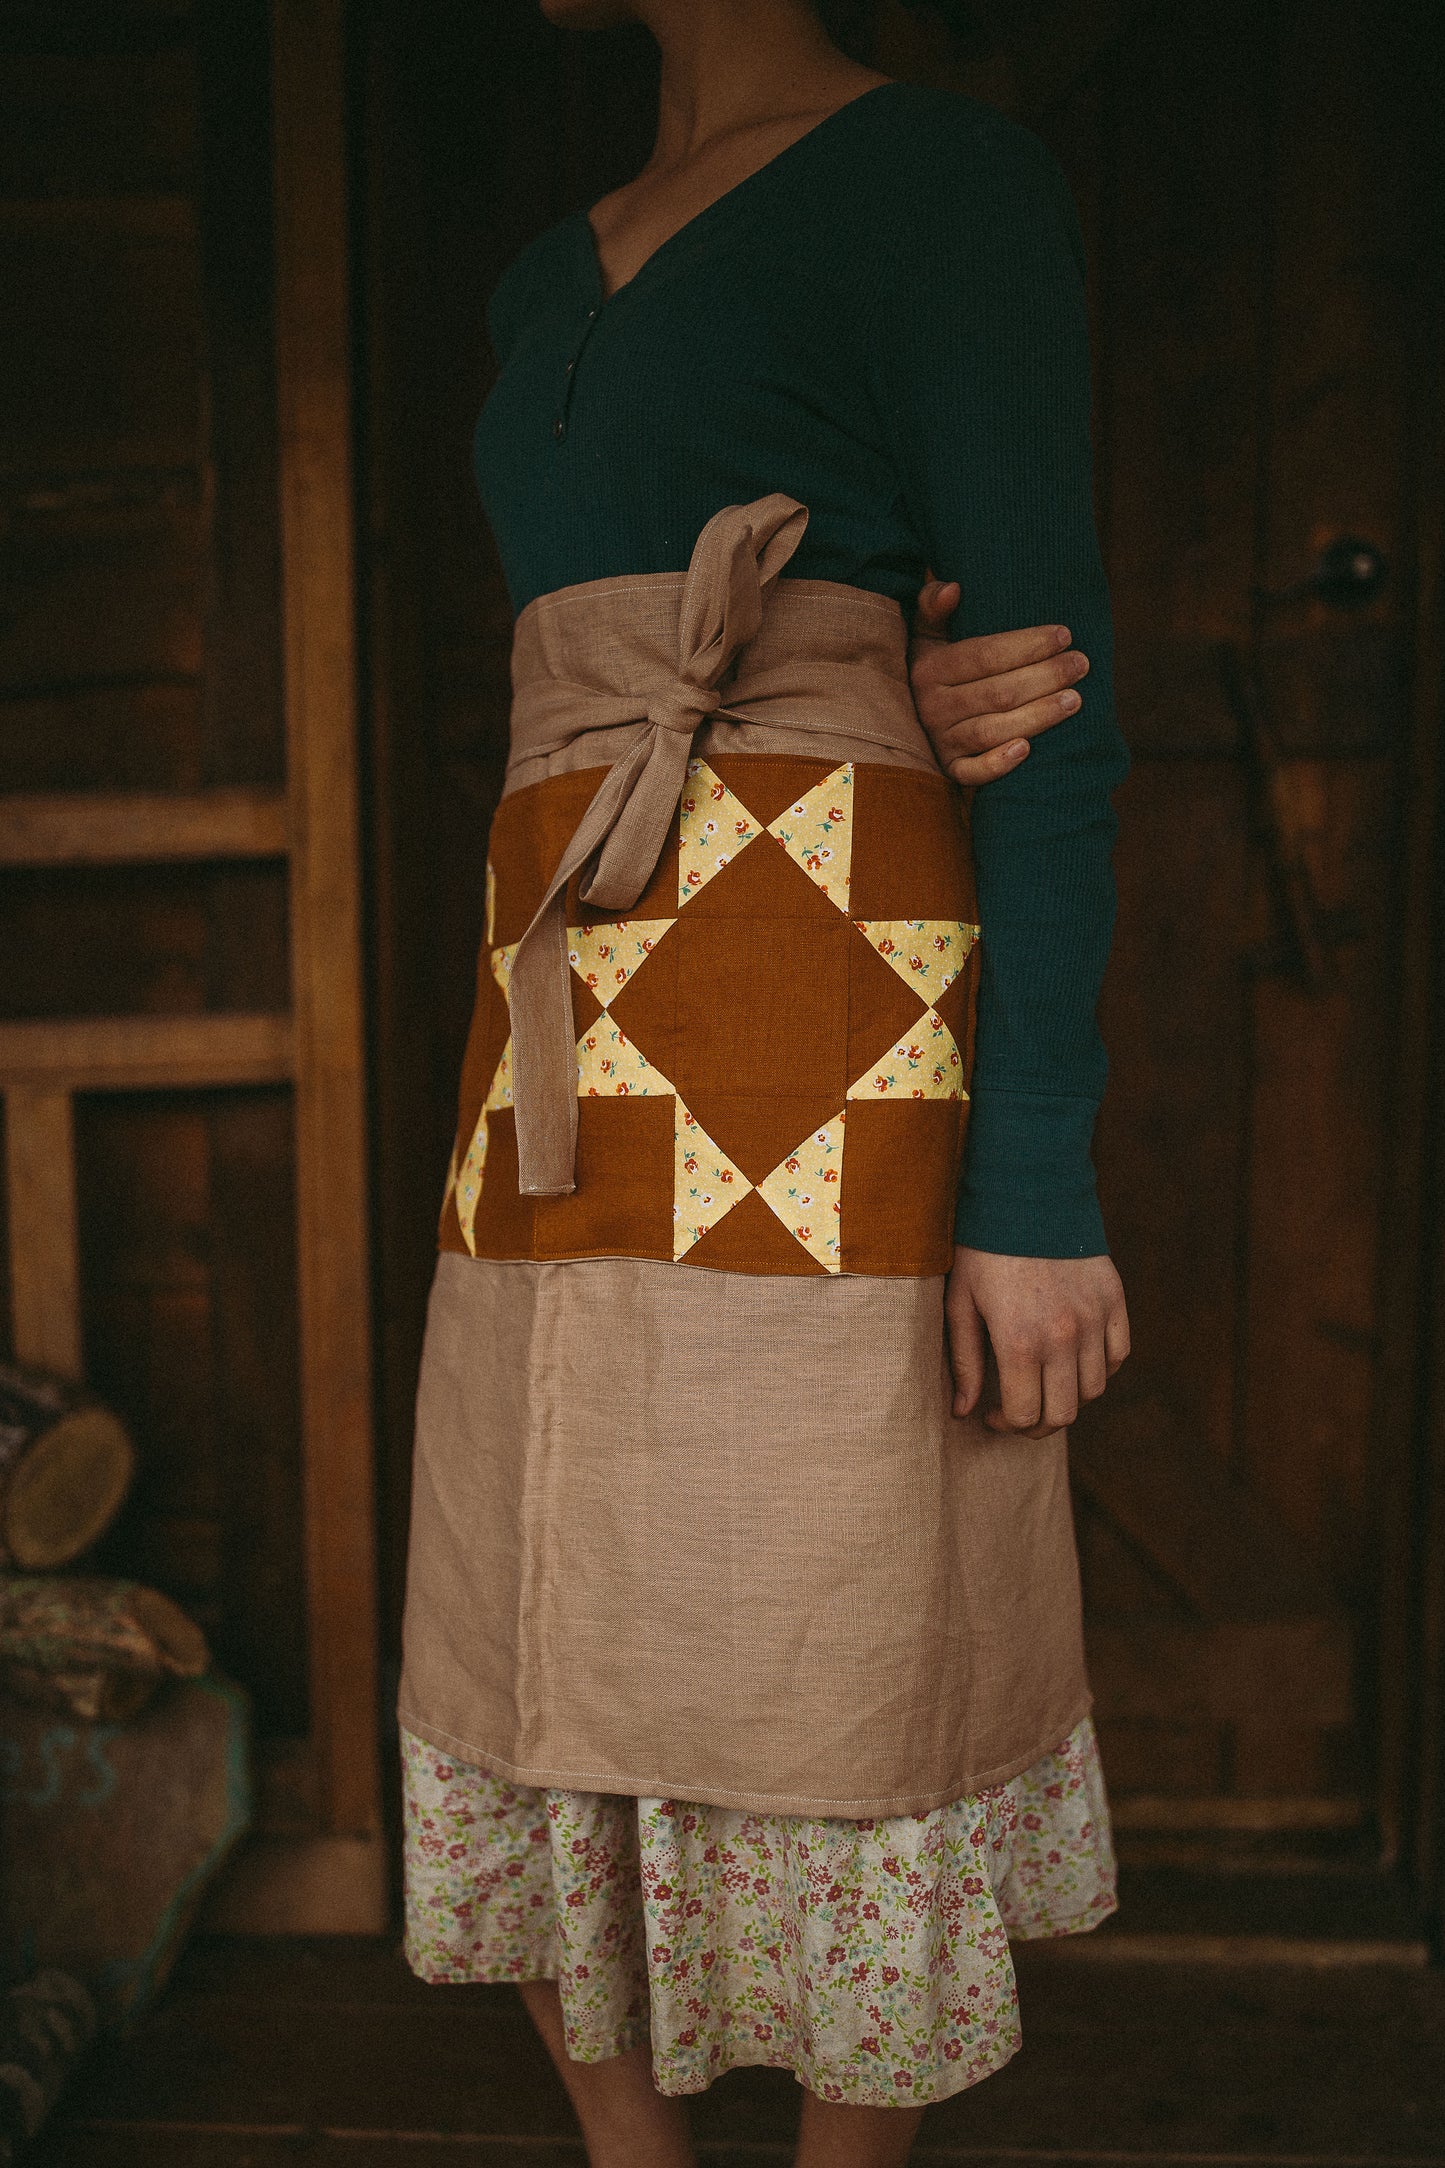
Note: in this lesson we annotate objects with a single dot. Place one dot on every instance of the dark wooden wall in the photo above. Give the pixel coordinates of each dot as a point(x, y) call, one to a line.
point(139, 648)
point(1254, 180)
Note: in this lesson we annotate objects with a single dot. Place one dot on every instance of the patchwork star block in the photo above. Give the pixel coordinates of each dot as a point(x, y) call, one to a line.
point(928, 953)
point(805, 1190)
point(713, 826)
point(609, 1066)
point(816, 831)
point(925, 1064)
point(604, 956)
point(766, 1008)
point(706, 1184)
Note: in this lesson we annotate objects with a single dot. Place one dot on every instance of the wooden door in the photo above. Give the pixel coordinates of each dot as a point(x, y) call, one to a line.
point(1252, 180)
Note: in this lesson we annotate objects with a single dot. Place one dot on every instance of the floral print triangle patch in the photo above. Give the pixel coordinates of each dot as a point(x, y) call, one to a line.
point(805, 1190)
point(706, 1184)
point(928, 953)
point(925, 1064)
point(713, 826)
point(817, 833)
point(605, 956)
point(469, 1174)
point(609, 1066)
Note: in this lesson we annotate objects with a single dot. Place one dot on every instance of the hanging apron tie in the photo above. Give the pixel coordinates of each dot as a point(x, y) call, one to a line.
point(642, 660)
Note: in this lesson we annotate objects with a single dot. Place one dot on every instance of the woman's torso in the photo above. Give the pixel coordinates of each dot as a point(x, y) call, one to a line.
point(735, 362)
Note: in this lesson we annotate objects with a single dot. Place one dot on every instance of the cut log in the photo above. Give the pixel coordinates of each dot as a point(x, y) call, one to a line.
point(96, 1649)
point(65, 1466)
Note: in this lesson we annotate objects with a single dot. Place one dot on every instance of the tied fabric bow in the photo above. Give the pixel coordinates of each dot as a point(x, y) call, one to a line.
point(620, 837)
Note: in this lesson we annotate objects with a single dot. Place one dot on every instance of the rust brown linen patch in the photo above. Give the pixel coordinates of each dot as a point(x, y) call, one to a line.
point(773, 1047)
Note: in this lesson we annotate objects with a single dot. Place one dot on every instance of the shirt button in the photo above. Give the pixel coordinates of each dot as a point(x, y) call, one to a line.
point(591, 316)
point(571, 364)
point(559, 427)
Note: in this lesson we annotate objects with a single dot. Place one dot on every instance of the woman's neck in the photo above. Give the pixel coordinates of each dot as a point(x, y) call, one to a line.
point(729, 65)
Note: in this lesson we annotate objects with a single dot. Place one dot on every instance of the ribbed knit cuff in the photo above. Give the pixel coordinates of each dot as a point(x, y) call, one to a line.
point(1028, 1181)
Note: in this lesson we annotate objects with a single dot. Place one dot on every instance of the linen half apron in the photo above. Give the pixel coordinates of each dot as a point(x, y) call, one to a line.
point(692, 1517)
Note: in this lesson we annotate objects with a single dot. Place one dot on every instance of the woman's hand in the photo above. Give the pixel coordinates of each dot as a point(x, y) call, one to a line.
point(1057, 1328)
point(981, 700)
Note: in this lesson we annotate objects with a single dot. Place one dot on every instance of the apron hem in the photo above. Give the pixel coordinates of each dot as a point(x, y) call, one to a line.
point(749, 1802)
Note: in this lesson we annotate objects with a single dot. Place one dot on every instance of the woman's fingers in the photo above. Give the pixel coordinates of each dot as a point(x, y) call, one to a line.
point(960, 700)
point(937, 601)
point(980, 654)
point(972, 769)
point(990, 737)
point(966, 1348)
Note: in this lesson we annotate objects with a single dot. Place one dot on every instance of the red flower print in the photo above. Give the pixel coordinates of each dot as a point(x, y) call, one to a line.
point(717, 791)
point(903, 2078)
point(953, 2049)
point(764, 2032)
point(868, 2045)
point(835, 812)
point(890, 1974)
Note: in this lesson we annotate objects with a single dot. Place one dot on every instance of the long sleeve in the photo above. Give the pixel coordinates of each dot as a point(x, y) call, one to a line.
point(979, 351)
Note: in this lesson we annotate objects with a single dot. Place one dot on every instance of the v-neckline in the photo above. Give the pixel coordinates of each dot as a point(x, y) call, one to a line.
point(726, 201)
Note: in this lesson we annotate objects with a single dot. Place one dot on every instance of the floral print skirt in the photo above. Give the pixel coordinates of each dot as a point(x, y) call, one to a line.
point(870, 1958)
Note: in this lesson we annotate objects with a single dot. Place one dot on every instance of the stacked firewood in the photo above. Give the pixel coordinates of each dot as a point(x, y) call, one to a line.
point(96, 1649)
point(117, 1802)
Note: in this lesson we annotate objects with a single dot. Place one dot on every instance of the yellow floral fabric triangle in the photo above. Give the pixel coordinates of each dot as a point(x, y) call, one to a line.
point(605, 956)
point(713, 826)
point(706, 1184)
point(928, 952)
point(609, 1066)
point(502, 965)
point(925, 1064)
point(469, 1174)
point(817, 833)
point(805, 1190)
